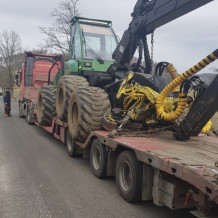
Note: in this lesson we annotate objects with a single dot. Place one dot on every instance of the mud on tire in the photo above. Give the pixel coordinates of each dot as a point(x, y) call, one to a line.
point(46, 105)
point(86, 109)
point(65, 87)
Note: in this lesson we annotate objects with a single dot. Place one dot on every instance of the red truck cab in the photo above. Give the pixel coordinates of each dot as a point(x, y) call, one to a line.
point(34, 74)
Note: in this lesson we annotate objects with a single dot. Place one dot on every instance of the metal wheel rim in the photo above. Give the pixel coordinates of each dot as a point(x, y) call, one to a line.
point(69, 142)
point(97, 158)
point(125, 176)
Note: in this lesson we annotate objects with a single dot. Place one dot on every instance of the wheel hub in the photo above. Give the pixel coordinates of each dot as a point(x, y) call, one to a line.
point(97, 158)
point(125, 176)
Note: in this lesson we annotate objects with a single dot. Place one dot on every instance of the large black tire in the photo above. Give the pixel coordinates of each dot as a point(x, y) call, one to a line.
point(86, 109)
point(129, 176)
point(46, 105)
point(65, 86)
point(98, 159)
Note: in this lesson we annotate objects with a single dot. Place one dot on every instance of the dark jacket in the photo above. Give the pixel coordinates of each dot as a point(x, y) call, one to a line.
point(8, 98)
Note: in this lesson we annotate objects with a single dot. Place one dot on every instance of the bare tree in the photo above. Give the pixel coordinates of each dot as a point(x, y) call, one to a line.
point(10, 57)
point(39, 50)
point(58, 34)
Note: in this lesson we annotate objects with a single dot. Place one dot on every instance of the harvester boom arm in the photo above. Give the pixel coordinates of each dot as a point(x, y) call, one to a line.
point(146, 17)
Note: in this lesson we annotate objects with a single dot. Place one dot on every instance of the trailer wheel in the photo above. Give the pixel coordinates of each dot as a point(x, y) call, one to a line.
point(71, 145)
point(129, 176)
point(46, 105)
point(86, 109)
point(21, 115)
point(65, 87)
point(98, 159)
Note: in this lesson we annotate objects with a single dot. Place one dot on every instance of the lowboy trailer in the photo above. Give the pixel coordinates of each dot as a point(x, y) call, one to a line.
point(153, 167)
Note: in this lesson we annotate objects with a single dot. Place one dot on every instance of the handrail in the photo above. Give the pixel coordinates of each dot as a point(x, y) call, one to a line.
point(62, 67)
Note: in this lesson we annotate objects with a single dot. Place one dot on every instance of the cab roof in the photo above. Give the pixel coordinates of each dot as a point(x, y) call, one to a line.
point(90, 21)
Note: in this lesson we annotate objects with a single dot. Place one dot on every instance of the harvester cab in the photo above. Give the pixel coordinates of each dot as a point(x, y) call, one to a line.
point(92, 43)
point(91, 47)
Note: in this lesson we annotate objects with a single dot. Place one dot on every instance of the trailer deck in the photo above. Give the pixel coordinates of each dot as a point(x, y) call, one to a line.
point(177, 174)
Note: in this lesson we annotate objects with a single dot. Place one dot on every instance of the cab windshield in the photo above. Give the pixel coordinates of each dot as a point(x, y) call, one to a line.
point(99, 42)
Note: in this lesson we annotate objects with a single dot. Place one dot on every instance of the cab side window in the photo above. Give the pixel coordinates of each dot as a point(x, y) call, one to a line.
point(72, 52)
point(28, 76)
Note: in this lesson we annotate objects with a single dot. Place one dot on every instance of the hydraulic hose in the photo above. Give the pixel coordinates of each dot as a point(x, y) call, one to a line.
point(168, 116)
point(173, 73)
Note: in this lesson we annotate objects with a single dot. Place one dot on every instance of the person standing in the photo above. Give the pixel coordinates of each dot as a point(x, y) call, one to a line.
point(7, 103)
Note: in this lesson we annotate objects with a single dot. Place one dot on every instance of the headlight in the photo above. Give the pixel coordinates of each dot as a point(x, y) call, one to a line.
point(87, 64)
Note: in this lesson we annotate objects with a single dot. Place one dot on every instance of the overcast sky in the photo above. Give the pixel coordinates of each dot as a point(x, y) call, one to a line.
point(182, 42)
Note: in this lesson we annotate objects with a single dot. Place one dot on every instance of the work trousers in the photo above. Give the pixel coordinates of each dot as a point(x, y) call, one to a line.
point(7, 110)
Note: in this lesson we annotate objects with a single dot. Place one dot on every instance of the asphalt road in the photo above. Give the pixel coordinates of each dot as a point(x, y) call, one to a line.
point(39, 179)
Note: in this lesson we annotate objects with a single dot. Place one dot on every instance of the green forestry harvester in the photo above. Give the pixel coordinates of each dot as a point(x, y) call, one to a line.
point(92, 87)
point(82, 79)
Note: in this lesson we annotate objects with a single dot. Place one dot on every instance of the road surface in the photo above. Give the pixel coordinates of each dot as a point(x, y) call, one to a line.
point(39, 179)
